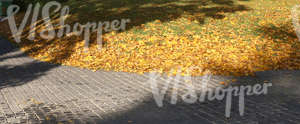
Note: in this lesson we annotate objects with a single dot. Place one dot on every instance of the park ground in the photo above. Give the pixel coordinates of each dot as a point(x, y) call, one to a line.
point(39, 83)
point(224, 37)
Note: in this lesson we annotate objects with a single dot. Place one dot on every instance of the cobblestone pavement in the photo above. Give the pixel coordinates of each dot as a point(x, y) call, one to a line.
point(37, 92)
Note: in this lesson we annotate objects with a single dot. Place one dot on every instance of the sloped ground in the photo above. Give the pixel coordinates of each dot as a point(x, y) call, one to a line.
point(38, 92)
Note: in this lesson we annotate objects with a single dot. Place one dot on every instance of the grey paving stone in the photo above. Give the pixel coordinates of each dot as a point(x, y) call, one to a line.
point(36, 92)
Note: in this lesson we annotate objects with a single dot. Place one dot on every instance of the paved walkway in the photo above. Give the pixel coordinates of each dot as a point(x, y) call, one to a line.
point(37, 92)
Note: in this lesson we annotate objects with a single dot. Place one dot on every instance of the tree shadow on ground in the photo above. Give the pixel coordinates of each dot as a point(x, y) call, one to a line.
point(14, 75)
point(144, 11)
point(278, 49)
point(16, 68)
point(285, 38)
point(6, 47)
point(282, 99)
point(273, 107)
point(138, 11)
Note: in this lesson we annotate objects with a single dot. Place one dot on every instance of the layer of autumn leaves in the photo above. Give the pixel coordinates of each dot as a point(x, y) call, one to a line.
point(239, 44)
